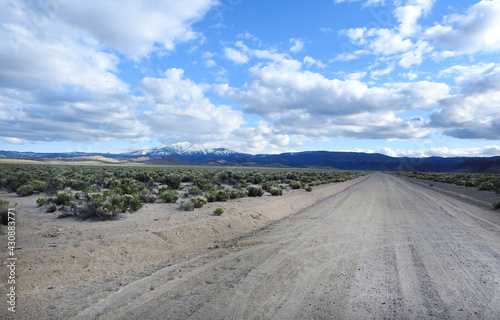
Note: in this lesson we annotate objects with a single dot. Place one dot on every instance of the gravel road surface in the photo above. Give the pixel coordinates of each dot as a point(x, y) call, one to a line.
point(381, 249)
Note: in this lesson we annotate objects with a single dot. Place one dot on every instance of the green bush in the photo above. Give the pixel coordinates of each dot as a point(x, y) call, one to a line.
point(218, 211)
point(39, 186)
point(169, 197)
point(63, 198)
point(96, 207)
point(43, 201)
point(173, 181)
point(295, 184)
point(187, 206)
point(92, 188)
point(195, 191)
point(241, 193)
point(125, 189)
point(255, 191)
point(135, 205)
point(25, 190)
point(221, 195)
point(309, 189)
point(496, 205)
point(276, 192)
point(199, 202)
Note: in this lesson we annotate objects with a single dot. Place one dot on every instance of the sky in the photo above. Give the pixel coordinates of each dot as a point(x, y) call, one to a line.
point(398, 77)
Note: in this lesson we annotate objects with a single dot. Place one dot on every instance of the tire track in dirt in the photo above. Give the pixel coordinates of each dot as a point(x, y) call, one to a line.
point(383, 248)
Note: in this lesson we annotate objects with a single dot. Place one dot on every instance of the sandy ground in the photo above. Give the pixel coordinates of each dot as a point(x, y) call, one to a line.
point(67, 265)
point(383, 248)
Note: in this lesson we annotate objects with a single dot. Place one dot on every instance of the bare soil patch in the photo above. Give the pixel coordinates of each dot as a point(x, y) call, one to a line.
point(65, 265)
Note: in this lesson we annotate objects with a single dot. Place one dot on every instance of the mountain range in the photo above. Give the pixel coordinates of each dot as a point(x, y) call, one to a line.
point(195, 154)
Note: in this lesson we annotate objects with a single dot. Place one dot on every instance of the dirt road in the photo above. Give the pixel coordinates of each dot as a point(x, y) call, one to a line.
point(383, 248)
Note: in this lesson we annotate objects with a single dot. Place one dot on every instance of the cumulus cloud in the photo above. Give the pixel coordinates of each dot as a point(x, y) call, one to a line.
point(473, 112)
point(262, 137)
point(410, 43)
point(179, 107)
point(137, 28)
point(296, 45)
point(303, 102)
point(474, 31)
point(59, 65)
point(235, 56)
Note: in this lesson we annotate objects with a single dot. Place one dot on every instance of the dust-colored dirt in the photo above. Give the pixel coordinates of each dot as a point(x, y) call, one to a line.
point(381, 248)
point(67, 265)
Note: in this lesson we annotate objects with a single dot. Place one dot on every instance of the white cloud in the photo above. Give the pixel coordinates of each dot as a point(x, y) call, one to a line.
point(179, 107)
point(235, 56)
point(297, 45)
point(137, 28)
point(387, 42)
point(12, 140)
point(409, 14)
point(366, 3)
point(467, 74)
point(303, 102)
point(487, 151)
point(377, 73)
point(260, 138)
point(59, 65)
point(474, 31)
point(473, 113)
point(310, 62)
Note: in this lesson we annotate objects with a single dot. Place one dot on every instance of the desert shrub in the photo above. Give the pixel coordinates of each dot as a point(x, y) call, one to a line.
point(187, 178)
point(173, 181)
point(63, 198)
point(96, 207)
point(43, 201)
point(147, 197)
point(276, 192)
point(295, 184)
point(135, 205)
point(92, 188)
point(255, 191)
point(51, 208)
point(187, 206)
point(486, 186)
point(53, 185)
point(77, 184)
point(169, 197)
point(496, 205)
point(199, 202)
point(39, 186)
point(221, 195)
point(210, 196)
point(125, 189)
point(25, 190)
point(218, 211)
point(195, 191)
point(240, 193)
point(309, 189)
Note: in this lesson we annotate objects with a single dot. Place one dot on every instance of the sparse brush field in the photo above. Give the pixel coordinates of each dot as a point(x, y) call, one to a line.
point(482, 181)
point(104, 192)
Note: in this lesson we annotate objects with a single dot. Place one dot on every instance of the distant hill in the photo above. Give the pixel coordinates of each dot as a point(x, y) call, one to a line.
point(479, 165)
point(186, 153)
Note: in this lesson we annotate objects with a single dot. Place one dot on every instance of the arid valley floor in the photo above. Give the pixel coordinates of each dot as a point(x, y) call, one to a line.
point(375, 247)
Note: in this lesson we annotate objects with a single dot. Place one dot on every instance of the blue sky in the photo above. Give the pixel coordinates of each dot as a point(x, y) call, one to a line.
point(400, 77)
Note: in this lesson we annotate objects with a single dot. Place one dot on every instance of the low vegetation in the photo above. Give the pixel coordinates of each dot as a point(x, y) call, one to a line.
point(482, 181)
point(106, 192)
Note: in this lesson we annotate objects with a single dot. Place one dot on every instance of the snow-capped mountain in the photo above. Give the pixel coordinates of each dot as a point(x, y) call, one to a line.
point(189, 152)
